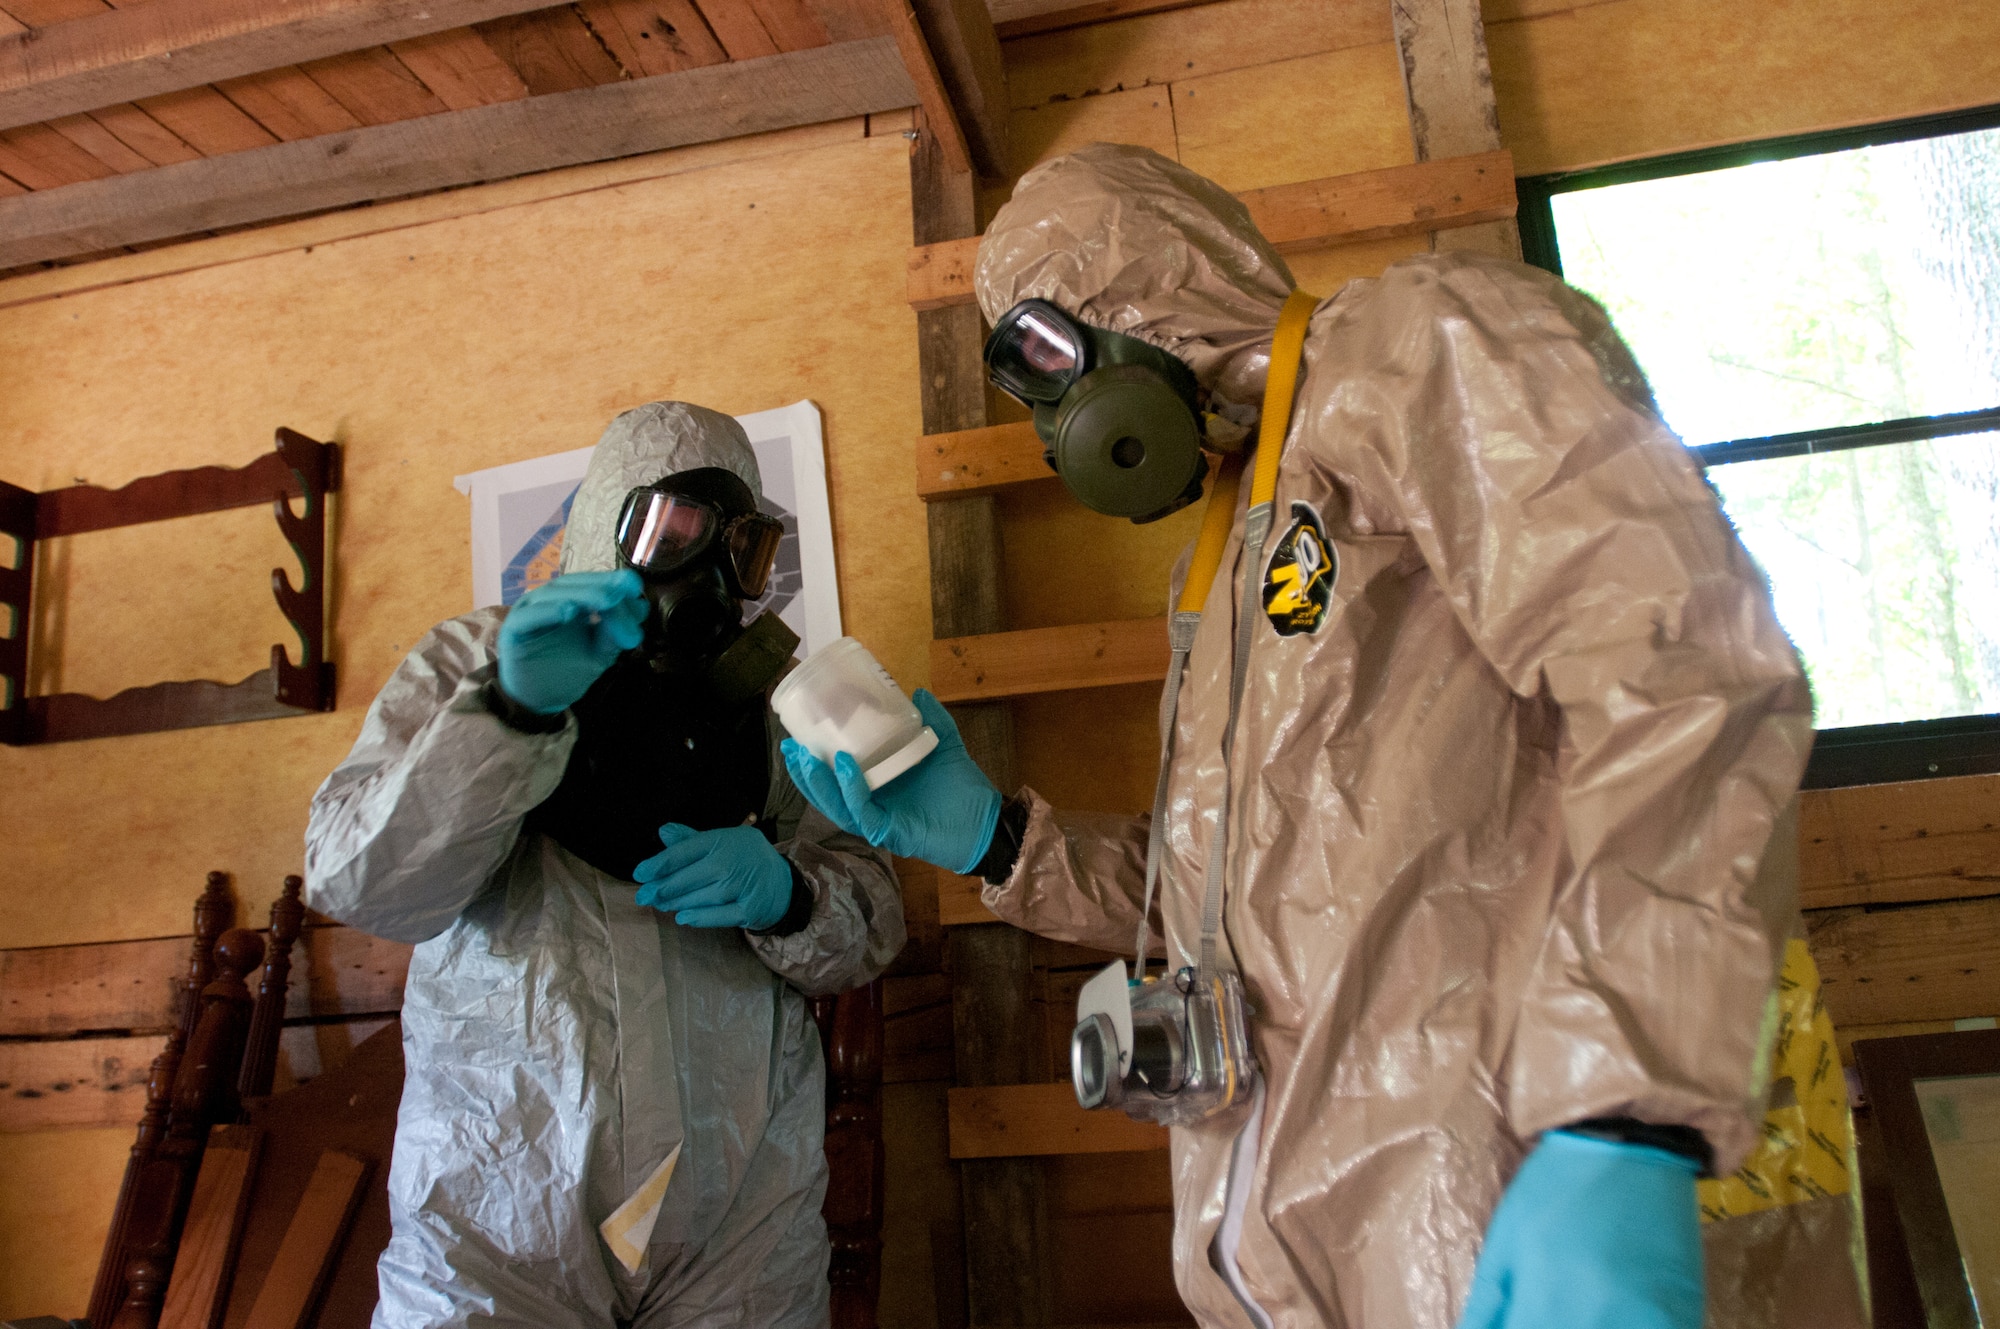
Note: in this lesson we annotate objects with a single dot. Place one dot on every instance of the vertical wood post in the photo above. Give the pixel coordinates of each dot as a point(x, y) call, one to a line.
point(1449, 84)
point(1006, 1265)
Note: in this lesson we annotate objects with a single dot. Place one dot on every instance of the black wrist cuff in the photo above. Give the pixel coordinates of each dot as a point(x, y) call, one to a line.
point(797, 914)
point(518, 717)
point(1005, 850)
point(1683, 1140)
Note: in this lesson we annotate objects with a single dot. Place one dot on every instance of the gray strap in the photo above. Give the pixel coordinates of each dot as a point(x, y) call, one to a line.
point(1256, 528)
point(1180, 637)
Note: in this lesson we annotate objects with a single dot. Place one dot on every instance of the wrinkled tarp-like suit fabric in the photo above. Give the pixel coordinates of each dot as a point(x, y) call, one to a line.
point(560, 1038)
point(1498, 860)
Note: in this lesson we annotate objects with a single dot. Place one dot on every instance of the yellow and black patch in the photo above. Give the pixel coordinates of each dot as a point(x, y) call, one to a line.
point(1298, 583)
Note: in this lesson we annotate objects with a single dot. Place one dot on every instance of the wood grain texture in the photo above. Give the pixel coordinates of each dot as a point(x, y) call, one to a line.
point(1025, 18)
point(1367, 205)
point(1011, 664)
point(65, 1083)
point(60, 991)
point(144, 135)
point(40, 158)
point(207, 121)
point(1899, 843)
point(374, 86)
point(288, 103)
point(979, 461)
point(967, 52)
point(1919, 962)
point(207, 1250)
point(1024, 1120)
point(460, 147)
point(461, 69)
point(654, 36)
point(100, 143)
point(940, 118)
point(553, 50)
point(311, 1242)
point(736, 25)
point(1452, 110)
point(124, 55)
point(959, 902)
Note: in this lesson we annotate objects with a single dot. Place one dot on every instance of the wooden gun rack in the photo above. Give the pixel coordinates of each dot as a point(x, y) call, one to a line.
point(300, 467)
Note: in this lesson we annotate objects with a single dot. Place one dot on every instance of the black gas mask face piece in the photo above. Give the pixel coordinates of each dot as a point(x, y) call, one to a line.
point(701, 547)
point(1121, 418)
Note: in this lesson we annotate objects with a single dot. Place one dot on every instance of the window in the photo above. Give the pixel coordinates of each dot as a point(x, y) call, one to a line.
point(1820, 321)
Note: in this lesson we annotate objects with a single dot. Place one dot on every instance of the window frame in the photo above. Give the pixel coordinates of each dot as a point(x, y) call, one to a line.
point(1859, 754)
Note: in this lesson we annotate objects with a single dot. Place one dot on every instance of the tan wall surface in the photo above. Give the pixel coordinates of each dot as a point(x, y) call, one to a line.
point(1583, 84)
point(426, 351)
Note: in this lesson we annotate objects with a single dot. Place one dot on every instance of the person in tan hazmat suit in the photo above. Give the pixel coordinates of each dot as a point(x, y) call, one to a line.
point(1510, 868)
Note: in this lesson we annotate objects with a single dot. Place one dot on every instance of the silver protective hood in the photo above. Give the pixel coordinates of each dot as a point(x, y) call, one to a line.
point(644, 444)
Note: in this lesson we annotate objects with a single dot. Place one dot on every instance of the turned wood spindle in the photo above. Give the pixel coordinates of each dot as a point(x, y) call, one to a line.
point(267, 1018)
point(213, 910)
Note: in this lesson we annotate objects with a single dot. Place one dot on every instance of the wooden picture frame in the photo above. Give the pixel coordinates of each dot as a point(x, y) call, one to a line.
point(1894, 1074)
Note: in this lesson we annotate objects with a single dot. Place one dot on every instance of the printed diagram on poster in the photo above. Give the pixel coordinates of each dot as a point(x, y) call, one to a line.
point(519, 512)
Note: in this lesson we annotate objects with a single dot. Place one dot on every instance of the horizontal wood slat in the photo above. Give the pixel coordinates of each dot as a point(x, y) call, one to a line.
point(1014, 664)
point(959, 902)
point(122, 55)
point(71, 1083)
point(456, 148)
point(979, 461)
point(1020, 1120)
point(1920, 962)
point(129, 985)
point(1025, 18)
point(1313, 214)
point(1899, 843)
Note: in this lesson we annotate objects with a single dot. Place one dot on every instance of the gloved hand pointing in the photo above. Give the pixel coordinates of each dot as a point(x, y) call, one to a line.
point(559, 637)
point(1592, 1234)
point(731, 878)
point(941, 810)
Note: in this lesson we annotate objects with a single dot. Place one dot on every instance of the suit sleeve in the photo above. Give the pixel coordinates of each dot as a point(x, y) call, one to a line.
point(1586, 556)
point(418, 819)
point(1080, 878)
point(856, 926)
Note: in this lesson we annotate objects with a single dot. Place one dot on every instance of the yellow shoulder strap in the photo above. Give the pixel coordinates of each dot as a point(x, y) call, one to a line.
point(1280, 386)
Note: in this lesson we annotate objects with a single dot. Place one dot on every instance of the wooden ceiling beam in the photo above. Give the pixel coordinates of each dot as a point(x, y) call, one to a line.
point(966, 49)
point(456, 148)
point(166, 46)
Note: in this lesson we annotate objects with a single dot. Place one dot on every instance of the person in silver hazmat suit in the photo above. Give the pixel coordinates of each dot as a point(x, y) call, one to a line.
point(1511, 856)
point(609, 1117)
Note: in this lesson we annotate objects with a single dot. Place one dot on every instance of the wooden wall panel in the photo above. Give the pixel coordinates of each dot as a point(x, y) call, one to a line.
point(1634, 78)
point(1900, 843)
point(1920, 962)
point(1353, 97)
point(428, 352)
point(53, 1233)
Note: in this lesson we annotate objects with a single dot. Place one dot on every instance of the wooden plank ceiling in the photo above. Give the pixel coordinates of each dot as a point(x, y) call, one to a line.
point(142, 121)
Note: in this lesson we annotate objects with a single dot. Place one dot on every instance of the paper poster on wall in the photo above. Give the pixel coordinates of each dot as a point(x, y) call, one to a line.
point(519, 512)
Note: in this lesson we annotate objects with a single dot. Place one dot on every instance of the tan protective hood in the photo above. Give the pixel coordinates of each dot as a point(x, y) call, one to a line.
point(1130, 242)
point(1510, 844)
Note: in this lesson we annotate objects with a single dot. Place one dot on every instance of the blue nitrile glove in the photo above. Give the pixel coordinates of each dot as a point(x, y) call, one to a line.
point(941, 810)
point(1592, 1234)
point(731, 878)
point(560, 636)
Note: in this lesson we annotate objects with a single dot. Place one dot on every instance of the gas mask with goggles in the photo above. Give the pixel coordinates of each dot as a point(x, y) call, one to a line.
point(701, 547)
point(1122, 420)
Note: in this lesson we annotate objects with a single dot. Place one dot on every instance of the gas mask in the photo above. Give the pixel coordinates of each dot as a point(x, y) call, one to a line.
point(1122, 420)
point(701, 547)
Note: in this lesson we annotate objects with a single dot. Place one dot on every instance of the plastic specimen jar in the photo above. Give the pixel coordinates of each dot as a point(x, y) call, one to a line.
point(841, 700)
